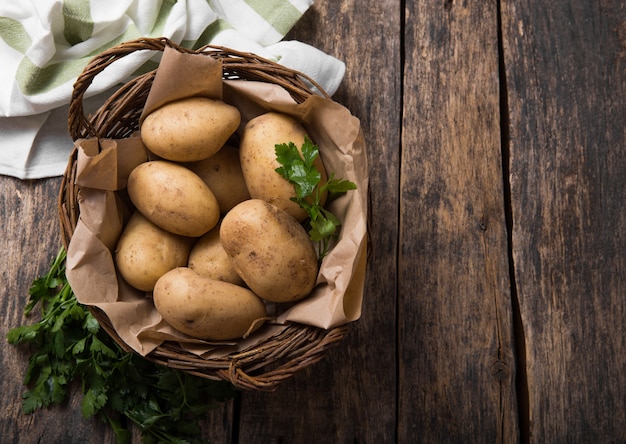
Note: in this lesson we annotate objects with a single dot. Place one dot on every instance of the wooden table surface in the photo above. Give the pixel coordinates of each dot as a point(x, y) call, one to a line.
point(495, 300)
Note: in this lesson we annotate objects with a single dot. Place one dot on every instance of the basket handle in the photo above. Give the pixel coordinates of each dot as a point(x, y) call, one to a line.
point(79, 126)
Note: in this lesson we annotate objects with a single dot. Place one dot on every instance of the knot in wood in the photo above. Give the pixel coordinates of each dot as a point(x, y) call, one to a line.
point(500, 370)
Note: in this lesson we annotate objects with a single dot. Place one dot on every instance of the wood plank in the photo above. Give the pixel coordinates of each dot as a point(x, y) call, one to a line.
point(565, 65)
point(457, 365)
point(350, 396)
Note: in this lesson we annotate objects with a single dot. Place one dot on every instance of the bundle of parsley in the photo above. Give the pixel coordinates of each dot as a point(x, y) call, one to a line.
point(68, 346)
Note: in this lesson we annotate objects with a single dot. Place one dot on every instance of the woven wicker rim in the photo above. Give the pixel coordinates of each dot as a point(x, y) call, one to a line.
point(264, 365)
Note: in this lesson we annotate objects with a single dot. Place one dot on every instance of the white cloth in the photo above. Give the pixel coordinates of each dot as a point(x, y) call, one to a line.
point(45, 44)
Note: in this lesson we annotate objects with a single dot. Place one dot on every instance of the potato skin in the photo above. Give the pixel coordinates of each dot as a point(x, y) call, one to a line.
point(173, 197)
point(189, 129)
point(205, 308)
point(145, 252)
point(208, 258)
point(222, 173)
point(257, 152)
point(270, 250)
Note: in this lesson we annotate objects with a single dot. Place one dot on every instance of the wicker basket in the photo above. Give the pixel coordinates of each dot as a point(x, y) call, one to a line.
point(266, 364)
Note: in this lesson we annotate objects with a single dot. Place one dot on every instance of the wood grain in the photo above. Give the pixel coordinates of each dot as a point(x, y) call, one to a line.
point(456, 357)
point(351, 395)
point(565, 68)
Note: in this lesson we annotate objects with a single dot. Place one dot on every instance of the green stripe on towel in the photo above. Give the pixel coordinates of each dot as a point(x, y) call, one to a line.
point(208, 34)
point(14, 34)
point(281, 14)
point(164, 13)
point(78, 23)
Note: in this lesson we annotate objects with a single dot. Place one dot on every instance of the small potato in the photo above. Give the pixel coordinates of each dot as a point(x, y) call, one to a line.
point(270, 250)
point(222, 173)
point(257, 152)
point(205, 308)
point(208, 258)
point(189, 129)
point(173, 197)
point(145, 252)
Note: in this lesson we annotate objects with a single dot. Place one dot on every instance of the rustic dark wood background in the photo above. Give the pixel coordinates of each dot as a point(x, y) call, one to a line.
point(496, 295)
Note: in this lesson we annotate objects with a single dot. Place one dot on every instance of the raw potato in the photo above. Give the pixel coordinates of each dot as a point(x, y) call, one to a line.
point(145, 252)
point(208, 258)
point(205, 308)
point(222, 173)
point(270, 250)
point(173, 197)
point(189, 129)
point(257, 152)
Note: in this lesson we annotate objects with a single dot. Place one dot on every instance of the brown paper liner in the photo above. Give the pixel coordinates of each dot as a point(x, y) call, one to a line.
point(103, 167)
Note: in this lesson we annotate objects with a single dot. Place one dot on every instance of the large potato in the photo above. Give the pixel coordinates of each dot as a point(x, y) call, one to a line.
point(173, 197)
point(208, 258)
point(205, 308)
point(189, 129)
point(222, 173)
point(145, 252)
point(257, 151)
point(270, 250)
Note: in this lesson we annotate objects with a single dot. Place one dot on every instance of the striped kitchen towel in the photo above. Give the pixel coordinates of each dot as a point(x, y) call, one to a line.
point(44, 45)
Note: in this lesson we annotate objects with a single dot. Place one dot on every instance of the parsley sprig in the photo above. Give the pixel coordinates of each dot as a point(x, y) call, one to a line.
point(119, 387)
point(300, 171)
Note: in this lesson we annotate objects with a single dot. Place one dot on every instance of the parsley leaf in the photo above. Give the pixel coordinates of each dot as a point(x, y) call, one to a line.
point(298, 167)
point(300, 171)
point(119, 387)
